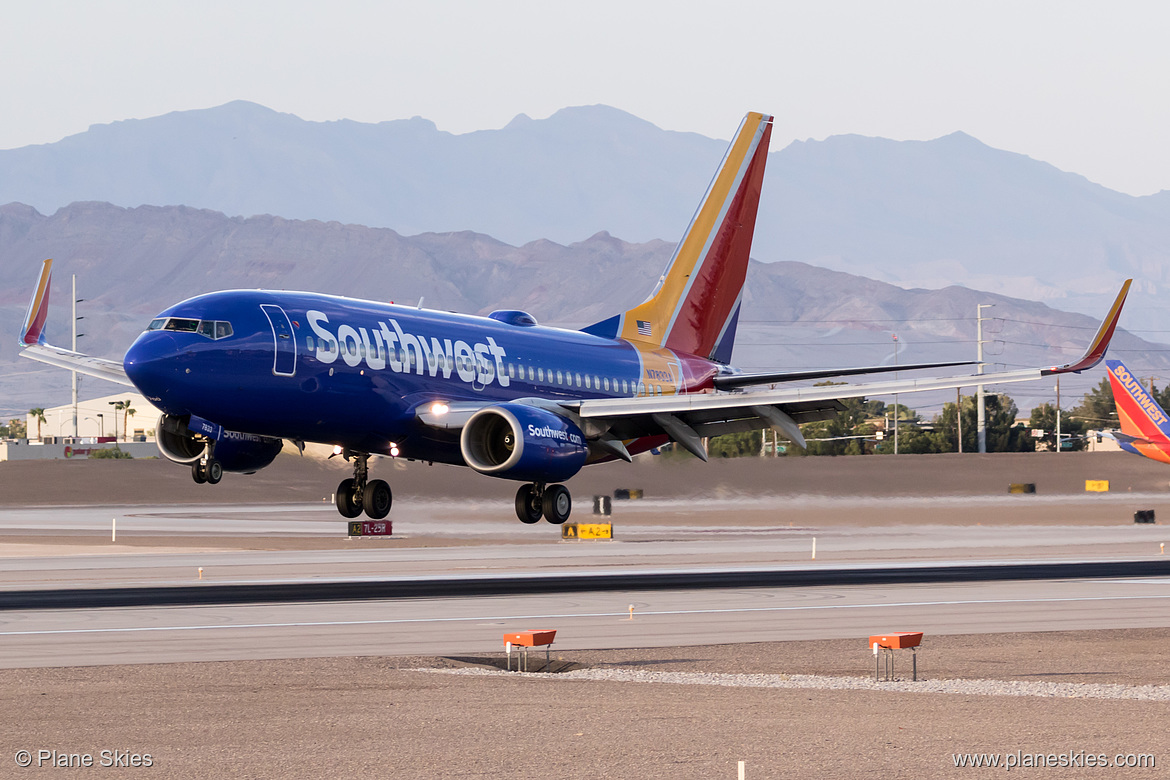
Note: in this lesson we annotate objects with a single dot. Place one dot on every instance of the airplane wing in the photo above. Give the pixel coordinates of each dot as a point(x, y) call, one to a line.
point(688, 419)
point(109, 370)
point(33, 344)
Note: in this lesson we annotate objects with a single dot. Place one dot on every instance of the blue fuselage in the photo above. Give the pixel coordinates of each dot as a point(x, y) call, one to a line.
point(349, 372)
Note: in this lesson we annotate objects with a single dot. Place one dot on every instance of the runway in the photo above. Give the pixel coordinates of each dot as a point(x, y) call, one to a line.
point(474, 625)
point(269, 567)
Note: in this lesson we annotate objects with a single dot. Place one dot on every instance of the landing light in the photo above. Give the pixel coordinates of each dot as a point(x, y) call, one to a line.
point(393, 450)
point(438, 407)
point(337, 449)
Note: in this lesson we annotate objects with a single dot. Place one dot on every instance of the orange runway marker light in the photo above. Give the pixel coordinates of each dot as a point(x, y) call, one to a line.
point(526, 639)
point(631, 612)
point(200, 572)
point(532, 638)
point(897, 640)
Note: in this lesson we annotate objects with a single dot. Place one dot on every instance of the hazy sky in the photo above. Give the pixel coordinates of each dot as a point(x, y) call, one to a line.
point(1080, 85)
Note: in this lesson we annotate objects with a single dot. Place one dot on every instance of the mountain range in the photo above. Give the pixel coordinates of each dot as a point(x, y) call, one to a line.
point(913, 213)
point(132, 263)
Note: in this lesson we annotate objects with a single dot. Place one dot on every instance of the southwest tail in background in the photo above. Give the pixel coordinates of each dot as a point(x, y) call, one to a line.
point(695, 307)
point(1145, 427)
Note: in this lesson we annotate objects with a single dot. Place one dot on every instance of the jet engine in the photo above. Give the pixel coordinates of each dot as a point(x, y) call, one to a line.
point(185, 440)
point(526, 443)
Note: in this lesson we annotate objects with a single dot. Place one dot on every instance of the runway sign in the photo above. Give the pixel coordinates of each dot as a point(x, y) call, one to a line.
point(1022, 487)
point(587, 531)
point(371, 528)
point(1096, 486)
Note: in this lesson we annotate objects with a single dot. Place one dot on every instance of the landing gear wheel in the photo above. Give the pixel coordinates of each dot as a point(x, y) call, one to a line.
point(349, 504)
point(198, 474)
point(214, 470)
point(557, 504)
point(528, 505)
point(377, 499)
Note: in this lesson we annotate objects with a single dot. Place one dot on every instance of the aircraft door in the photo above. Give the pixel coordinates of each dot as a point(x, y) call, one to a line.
point(285, 361)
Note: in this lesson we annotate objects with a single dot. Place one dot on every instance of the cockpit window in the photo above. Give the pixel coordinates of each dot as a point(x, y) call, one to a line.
point(212, 329)
point(182, 325)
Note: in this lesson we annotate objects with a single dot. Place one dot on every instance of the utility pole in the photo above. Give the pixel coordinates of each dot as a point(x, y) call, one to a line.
point(959, 417)
point(1058, 413)
point(980, 409)
point(896, 426)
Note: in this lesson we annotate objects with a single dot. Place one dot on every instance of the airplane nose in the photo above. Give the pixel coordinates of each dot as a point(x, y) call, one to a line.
point(151, 365)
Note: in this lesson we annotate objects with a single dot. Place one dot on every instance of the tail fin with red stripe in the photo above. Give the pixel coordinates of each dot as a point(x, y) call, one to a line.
point(1141, 417)
point(695, 307)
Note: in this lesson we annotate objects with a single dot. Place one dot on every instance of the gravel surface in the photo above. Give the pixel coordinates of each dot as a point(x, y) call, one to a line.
point(820, 682)
point(380, 717)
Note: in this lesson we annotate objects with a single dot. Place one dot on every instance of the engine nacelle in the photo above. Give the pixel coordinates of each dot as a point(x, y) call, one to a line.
point(185, 441)
point(514, 441)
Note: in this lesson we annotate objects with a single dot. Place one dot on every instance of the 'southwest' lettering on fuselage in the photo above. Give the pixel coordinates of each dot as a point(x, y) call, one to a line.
point(386, 345)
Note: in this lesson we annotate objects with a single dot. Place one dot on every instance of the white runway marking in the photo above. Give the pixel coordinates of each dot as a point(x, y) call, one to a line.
point(563, 616)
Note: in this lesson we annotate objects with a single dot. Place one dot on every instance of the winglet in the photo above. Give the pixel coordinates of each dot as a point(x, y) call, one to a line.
point(1100, 342)
point(33, 331)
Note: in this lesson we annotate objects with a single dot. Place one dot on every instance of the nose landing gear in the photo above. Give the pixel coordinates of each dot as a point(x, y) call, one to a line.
point(373, 496)
point(207, 469)
point(553, 502)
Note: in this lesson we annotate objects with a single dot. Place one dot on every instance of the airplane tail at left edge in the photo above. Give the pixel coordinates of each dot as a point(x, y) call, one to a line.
point(33, 330)
point(1140, 416)
point(695, 307)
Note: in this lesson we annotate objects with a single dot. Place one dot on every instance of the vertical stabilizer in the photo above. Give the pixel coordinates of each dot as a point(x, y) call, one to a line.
point(695, 307)
point(1138, 413)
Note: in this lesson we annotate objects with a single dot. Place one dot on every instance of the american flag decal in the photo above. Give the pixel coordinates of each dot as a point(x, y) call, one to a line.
point(644, 328)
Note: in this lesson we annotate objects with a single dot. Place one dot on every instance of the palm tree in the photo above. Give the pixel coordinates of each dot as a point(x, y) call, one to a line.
point(124, 407)
point(38, 414)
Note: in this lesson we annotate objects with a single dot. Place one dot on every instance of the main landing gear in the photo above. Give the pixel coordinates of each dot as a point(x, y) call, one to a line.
point(360, 494)
point(537, 500)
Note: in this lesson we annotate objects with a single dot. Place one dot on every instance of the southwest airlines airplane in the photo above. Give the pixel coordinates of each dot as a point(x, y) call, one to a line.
point(1145, 428)
point(238, 372)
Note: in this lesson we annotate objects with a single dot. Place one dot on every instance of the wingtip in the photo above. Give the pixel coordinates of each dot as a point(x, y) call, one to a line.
point(33, 330)
point(1100, 343)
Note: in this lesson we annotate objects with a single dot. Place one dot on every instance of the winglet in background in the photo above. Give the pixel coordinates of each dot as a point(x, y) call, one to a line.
point(33, 330)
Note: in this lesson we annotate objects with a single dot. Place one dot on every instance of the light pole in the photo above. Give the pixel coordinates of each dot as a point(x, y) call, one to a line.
point(102, 423)
point(76, 335)
point(980, 411)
